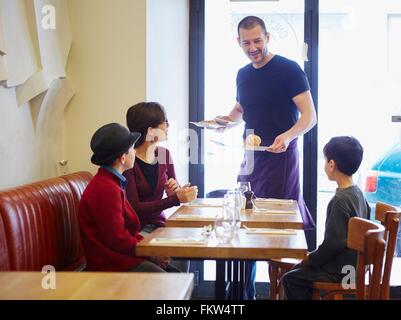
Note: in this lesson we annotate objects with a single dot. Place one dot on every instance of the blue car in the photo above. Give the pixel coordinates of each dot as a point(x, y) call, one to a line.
point(383, 183)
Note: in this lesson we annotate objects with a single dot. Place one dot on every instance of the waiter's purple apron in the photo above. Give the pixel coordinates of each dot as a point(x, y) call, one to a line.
point(276, 175)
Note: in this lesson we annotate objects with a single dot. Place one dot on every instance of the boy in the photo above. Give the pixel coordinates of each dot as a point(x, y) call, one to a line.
point(343, 156)
point(109, 226)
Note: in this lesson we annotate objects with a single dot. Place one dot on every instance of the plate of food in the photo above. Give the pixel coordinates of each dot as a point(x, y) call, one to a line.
point(252, 143)
point(213, 124)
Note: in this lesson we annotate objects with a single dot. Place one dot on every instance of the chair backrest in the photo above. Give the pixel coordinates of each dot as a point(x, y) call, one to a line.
point(78, 181)
point(389, 217)
point(4, 257)
point(366, 237)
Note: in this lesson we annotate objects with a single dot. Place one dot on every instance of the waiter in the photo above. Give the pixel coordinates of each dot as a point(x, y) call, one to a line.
point(274, 101)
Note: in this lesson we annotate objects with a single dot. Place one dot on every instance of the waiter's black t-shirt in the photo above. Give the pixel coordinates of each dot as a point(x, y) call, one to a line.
point(266, 95)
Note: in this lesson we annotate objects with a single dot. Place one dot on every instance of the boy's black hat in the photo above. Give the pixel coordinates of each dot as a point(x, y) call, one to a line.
point(110, 141)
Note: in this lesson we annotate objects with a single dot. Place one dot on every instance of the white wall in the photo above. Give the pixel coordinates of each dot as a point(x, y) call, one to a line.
point(167, 43)
point(18, 156)
point(123, 52)
point(33, 96)
point(107, 66)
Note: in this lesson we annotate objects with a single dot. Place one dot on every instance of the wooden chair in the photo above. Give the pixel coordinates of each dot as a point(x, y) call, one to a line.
point(389, 217)
point(365, 237)
point(277, 268)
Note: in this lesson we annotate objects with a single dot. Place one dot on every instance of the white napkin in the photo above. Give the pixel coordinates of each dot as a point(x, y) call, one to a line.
point(209, 205)
point(273, 200)
point(195, 217)
point(271, 231)
point(202, 203)
point(177, 241)
point(274, 211)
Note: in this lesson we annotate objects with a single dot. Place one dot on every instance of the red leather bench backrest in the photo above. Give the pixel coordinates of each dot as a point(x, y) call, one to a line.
point(78, 182)
point(41, 226)
point(4, 259)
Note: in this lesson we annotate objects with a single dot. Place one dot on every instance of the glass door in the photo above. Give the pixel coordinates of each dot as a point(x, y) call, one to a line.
point(359, 92)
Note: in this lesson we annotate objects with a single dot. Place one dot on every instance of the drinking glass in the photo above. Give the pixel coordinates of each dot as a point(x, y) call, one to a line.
point(224, 226)
point(234, 202)
point(244, 186)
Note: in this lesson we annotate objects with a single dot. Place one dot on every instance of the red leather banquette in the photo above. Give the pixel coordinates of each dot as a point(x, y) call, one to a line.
point(39, 225)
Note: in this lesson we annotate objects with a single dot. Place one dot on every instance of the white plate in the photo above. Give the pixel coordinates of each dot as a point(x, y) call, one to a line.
point(259, 148)
point(212, 124)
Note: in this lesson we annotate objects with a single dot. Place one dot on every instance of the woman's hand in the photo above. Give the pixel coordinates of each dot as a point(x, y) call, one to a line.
point(171, 186)
point(187, 193)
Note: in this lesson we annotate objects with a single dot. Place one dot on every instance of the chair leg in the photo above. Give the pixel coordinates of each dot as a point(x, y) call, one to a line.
point(316, 294)
point(280, 291)
point(273, 276)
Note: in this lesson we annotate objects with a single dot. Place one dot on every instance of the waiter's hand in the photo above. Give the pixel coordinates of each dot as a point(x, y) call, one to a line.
point(223, 121)
point(280, 144)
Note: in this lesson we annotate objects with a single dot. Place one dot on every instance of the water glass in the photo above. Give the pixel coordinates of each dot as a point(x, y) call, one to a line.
point(224, 226)
point(234, 202)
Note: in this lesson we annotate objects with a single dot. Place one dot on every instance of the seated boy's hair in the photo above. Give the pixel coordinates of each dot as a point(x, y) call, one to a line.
point(346, 152)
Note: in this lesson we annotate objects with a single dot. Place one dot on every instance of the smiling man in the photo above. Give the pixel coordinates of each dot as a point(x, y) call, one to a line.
point(274, 100)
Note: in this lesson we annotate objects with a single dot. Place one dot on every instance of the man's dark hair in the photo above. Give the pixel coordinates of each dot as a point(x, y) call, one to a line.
point(144, 115)
point(251, 22)
point(346, 152)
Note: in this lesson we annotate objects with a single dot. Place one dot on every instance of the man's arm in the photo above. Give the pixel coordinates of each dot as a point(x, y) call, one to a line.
point(307, 121)
point(235, 115)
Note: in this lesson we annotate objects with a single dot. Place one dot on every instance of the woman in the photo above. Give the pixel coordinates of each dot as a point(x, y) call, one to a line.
point(109, 226)
point(153, 172)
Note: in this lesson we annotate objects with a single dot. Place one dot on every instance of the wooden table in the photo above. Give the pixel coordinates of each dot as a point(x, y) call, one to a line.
point(202, 216)
point(244, 247)
point(97, 286)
